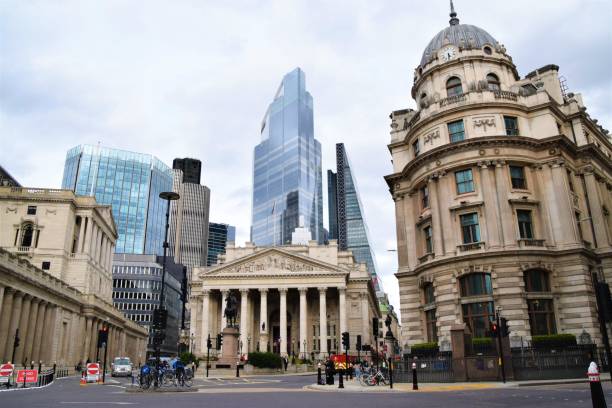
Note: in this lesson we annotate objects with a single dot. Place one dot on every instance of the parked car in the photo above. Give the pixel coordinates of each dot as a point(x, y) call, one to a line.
point(121, 366)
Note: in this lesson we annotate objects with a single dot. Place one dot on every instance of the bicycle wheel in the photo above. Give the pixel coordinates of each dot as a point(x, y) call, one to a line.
point(168, 379)
point(371, 380)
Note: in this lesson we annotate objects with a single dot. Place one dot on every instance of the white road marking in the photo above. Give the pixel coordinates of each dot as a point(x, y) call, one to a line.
point(98, 402)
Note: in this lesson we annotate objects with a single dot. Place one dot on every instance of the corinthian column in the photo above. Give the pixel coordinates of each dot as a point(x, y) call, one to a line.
point(244, 295)
point(303, 320)
point(5, 319)
point(263, 320)
point(14, 324)
point(205, 319)
point(342, 306)
point(323, 321)
point(283, 321)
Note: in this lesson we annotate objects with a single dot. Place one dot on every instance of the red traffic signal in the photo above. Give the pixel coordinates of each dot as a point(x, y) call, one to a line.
point(494, 330)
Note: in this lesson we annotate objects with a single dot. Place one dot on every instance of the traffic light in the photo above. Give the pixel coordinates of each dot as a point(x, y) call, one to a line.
point(102, 336)
point(160, 318)
point(494, 330)
point(503, 327)
point(208, 343)
point(219, 341)
point(358, 346)
point(375, 326)
point(346, 340)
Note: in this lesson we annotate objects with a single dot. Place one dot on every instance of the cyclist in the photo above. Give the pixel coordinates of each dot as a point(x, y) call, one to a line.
point(179, 371)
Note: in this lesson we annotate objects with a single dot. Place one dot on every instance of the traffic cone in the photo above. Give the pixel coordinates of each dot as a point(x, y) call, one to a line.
point(83, 379)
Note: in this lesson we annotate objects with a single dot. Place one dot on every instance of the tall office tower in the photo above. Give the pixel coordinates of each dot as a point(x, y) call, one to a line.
point(130, 182)
point(188, 234)
point(218, 237)
point(192, 169)
point(346, 217)
point(287, 182)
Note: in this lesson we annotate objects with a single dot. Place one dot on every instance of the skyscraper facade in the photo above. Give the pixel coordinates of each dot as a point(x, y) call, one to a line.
point(287, 181)
point(130, 182)
point(346, 217)
point(188, 234)
point(191, 168)
point(218, 237)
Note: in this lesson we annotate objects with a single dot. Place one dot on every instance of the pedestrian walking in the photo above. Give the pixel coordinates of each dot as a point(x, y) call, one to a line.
point(286, 362)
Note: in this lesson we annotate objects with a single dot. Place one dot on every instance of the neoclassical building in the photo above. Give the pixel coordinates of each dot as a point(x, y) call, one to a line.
point(503, 191)
point(293, 300)
point(55, 279)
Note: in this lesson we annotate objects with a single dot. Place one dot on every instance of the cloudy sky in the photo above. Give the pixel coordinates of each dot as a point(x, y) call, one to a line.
point(194, 78)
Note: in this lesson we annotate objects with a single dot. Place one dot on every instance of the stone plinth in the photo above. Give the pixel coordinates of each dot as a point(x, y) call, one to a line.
point(229, 355)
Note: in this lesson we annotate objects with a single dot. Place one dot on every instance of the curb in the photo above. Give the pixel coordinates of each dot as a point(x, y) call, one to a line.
point(137, 390)
point(555, 382)
point(351, 390)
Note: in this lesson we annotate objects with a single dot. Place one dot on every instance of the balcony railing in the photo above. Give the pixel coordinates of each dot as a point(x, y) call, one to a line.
point(24, 250)
point(453, 99)
point(531, 242)
point(427, 257)
point(511, 96)
point(470, 247)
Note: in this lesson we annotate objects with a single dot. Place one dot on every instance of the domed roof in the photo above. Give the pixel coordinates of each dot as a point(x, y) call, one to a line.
point(459, 35)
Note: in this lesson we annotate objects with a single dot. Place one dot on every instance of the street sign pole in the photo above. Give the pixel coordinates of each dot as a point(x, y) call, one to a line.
point(104, 366)
point(208, 344)
point(501, 351)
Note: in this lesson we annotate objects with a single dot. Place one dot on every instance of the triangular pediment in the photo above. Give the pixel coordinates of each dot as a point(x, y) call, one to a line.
point(273, 261)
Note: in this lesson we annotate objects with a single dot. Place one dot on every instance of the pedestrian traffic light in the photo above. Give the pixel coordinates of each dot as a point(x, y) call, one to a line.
point(494, 330)
point(102, 336)
point(208, 343)
point(358, 346)
point(219, 341)
point(346, 340)
point(375, 326)
point(504, 329)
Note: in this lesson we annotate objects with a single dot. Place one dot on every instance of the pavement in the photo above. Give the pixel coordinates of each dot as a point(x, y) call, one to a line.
point(295, 392)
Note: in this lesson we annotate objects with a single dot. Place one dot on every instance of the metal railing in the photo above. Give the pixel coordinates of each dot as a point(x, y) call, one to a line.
point(437, 368)
point(471, 246)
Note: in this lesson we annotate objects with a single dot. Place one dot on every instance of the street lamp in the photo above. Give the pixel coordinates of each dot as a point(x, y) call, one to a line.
point(160, 321)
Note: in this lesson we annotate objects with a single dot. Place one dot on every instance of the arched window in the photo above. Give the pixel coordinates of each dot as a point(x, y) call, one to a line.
point(27, 234)
point(493, 82)
point(477, 315)
point(541, 311)
point(453, 87)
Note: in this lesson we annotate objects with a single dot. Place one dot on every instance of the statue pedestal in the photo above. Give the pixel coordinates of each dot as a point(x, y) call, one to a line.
point(229, 356)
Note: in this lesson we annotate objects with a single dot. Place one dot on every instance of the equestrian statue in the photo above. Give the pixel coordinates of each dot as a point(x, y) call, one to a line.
point(231, 309)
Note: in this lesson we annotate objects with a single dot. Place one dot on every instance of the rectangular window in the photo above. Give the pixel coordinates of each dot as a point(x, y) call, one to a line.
point(465, 181)
point(31, 210)
point(470, 229)
point(428, 240)
point(416, 148)
point(456, 131)
point(511, 126)
point(430, 321)
point(517, 176)
point(46, 265)
point(541, 316)
point(425, 197)
point(477, 317)
point(524, 224)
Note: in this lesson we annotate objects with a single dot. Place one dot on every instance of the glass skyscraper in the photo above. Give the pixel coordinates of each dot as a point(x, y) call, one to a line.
point(346, 216)
point(129, 182)
point(218, 237)
point(287, 181)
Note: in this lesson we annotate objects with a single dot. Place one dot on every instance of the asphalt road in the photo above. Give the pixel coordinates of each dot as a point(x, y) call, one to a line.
point(286, 391)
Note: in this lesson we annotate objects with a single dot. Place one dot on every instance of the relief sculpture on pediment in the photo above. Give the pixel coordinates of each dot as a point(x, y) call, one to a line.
point(272, 263)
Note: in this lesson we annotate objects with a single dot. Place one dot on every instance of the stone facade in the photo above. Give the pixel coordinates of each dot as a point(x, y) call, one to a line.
point(503, 191)
point(55, 278)
point(284, 293)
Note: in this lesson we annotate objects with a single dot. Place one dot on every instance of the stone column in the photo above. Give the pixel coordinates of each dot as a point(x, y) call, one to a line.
point(491, 206)
point(13, 325)
point(342, 307)
point(87, 338)
point(244, 294)
point(23, 327)
point(50, 340)
point(193, 306)
point(283, 321)
point(410, 215)
point(39, 331)
point(597, 218)
point(263, 320)
point(565, 228)
point(2, 288)
point(88, 236)
point(436, 224)
point(94, 240)
point(205, 319)
point(31, 331)
point(81, 241)
point(365, 319)
point(303, 320)
point(323, 321)
point(224, 294)
point(507, 220)
point(104, 249)
point(5, 319)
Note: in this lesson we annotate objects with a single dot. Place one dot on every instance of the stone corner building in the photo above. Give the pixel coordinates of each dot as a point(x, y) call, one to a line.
point(503, 191)
point(292, 300)
point(55, 279)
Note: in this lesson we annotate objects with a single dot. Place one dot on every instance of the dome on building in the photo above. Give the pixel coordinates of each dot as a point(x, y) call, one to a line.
point(459, 35)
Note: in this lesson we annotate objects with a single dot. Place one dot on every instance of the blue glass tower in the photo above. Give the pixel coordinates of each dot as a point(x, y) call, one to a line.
point(287, 181)
point(130, 182)
point(346, 218)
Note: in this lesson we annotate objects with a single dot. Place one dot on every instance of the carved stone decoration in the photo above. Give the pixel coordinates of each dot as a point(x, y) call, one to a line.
point(484, 122)
point(54, 212)
point(428, 138)
point(11, 209)
point(272, 263)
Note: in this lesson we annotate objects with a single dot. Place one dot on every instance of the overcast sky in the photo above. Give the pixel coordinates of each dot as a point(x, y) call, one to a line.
point(194, 78)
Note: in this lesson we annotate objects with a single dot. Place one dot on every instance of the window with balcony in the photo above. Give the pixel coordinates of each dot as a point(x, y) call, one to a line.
point(428, 239)
point(27, 235)
point(511, 123)
point(470, 230)
point(456, 131)
point(424, 197)
point(493, 82)
point(517, 177)
point(416, 148)
point(453, 87)
point(524, 224)
point(465, 181)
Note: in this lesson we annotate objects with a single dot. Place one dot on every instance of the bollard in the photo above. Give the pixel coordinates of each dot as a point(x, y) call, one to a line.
point(415, 383)
point(237, 369)
point(319, 374)
point(390, 373)
point(341, 379)
point(597, 394)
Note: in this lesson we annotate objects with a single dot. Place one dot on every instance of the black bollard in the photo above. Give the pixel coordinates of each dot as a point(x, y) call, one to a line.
point(597, 394)
point(390, 373)
point(341, 379)
point(319, 374)
point(237, 370)
point(415, 383)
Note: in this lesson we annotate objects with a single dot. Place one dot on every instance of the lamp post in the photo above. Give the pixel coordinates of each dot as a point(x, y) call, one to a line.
point(160, 321)
point(248, 344)
point(304, 350)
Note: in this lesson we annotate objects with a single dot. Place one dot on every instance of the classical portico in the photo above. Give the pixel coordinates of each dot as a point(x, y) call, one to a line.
point(292, 300)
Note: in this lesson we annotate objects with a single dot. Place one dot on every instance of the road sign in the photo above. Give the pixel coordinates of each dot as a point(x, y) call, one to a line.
point(5, 372)
point(93, 372)
point(28, 376)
